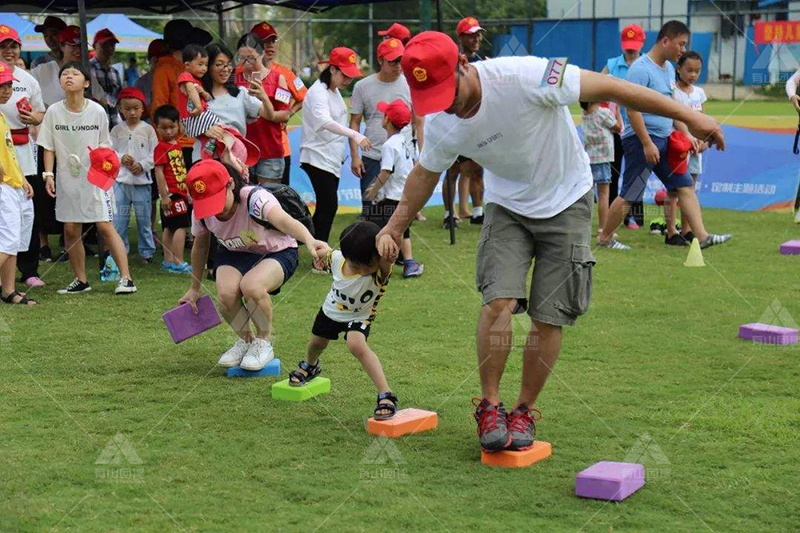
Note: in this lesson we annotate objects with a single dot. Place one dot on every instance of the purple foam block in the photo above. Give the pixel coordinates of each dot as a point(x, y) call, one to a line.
point(182, 323)
point(607, 480)
point(790, 248)
point(767, 334)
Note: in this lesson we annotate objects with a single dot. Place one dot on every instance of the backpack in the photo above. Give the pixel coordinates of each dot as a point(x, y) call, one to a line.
point(290, 202)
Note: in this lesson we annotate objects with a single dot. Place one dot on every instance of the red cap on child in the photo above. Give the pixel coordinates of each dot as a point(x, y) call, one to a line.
point(103, 167)
point(207, 182)
point(132, 92)
point(398, 112)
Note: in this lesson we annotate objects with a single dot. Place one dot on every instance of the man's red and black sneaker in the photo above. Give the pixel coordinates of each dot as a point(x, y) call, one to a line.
point(492, 426)
point(521, 427)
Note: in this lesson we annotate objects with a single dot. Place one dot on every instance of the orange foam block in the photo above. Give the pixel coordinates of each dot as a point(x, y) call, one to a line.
point(508, 459)
point(404, 422)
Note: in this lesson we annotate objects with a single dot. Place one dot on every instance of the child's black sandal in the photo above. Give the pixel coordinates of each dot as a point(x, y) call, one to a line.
point(386, 406)
point(298, 379)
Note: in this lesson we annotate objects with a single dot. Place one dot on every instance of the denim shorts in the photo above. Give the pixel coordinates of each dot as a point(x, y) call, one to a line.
point(601, 172)
point(270, 169)
point(244, 262)
point(637, 169)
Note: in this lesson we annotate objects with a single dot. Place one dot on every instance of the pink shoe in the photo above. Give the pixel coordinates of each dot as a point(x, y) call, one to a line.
point(34, 281)
point(632, 224)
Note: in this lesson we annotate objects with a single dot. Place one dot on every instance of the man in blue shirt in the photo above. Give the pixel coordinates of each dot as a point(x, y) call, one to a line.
point(645, 142)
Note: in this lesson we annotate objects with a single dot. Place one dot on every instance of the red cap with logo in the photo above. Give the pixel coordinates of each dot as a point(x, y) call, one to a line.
point(678, 152)
point(397, 111)
point(103, 167)
point(396, 30)
point(70, 35)
point(9, 33)
point(132, 92)
point(468, 25)
point(345, 60)
point(429, 65)
point(6, 74)
point(390, 49)
point(103, 36)
point(207, 182)
point(264, 31)
point(633, 37)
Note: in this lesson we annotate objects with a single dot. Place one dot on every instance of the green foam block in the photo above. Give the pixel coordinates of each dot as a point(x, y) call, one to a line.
point(283, 391)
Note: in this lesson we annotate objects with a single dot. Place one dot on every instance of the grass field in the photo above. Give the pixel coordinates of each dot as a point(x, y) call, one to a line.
point(654, 373)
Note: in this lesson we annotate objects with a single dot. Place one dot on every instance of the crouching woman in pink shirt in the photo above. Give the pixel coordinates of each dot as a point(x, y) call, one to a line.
point(252, 261)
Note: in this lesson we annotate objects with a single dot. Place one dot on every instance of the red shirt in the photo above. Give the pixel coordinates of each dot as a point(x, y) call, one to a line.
point(265, 134)
point(170, 156)
point(183, 99)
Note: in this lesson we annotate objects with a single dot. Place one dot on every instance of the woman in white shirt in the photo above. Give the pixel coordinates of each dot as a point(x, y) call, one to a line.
point(325, 131)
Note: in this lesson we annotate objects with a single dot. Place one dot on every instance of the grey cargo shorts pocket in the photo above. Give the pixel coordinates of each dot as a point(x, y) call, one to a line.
point(578, 285)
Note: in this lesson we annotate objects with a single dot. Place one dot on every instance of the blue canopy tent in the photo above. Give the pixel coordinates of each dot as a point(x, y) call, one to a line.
point(31, 41)
point(132, 37)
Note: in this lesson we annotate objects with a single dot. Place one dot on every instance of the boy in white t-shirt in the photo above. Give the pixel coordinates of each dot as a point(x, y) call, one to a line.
point(359, 281)
point(387, 188)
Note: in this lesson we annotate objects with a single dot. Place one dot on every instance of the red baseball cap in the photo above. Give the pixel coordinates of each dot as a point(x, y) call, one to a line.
point(633, 37)
point(429, 65)
point(396, 30)
point(678, 152)
point(252, 156)
point(50, 22)
point(398, 112)
point(6, 74)
point(7, 32)
point(390, 49)
point(103, 167)
point(132, 92)
point(345, 60)
point(103, 36)
point(468, 25)
point(264, 31)
point(207, 182)
point(70, 35)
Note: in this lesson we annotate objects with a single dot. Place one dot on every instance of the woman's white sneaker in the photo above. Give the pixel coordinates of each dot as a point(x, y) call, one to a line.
point(258, 355)
point(235, 354)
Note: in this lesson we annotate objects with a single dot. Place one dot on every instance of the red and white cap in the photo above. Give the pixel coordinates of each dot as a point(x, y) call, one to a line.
point(103, 167)
point(390, 49)
point(468, 25)
point(70, 35)
point(429, 65)
point(9, 33)
point(103, 36)
point(345, 60)
point(632, 37)
point(396, 30)
point(397, 112)
point(264, 30)
point(6, 74)
point(207, 182)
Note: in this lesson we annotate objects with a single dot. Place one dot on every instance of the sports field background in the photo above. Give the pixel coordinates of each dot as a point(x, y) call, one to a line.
point(654, 373)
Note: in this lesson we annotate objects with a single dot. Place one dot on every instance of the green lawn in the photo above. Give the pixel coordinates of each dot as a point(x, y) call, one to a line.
point(657, 357)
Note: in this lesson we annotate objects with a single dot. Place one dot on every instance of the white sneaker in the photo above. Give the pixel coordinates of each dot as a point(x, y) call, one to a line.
point(258, 355)
point(234, 355)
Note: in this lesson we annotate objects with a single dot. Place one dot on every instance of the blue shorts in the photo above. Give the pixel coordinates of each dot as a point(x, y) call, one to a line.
point(637, 169)
point(601, 172)
point(244, 262)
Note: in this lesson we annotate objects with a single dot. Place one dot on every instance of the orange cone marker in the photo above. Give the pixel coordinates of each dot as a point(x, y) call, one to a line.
point(508, 459)
point(404, 422)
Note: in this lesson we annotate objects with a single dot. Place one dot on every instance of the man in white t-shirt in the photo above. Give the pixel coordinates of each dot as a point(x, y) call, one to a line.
point(510, 115)
point(386, 85)
point(24, 110)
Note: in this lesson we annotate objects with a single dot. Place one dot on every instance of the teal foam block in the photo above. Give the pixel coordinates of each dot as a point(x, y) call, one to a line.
point(317, 386)
point(273, 368)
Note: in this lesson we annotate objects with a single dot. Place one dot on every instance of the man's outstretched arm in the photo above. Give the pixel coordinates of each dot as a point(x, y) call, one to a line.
point(597, 87)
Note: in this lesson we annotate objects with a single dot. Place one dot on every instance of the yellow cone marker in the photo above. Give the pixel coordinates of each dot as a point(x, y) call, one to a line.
point(695, 257)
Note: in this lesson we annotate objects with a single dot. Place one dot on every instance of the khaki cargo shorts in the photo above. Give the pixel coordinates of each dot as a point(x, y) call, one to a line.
point(561, 284)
